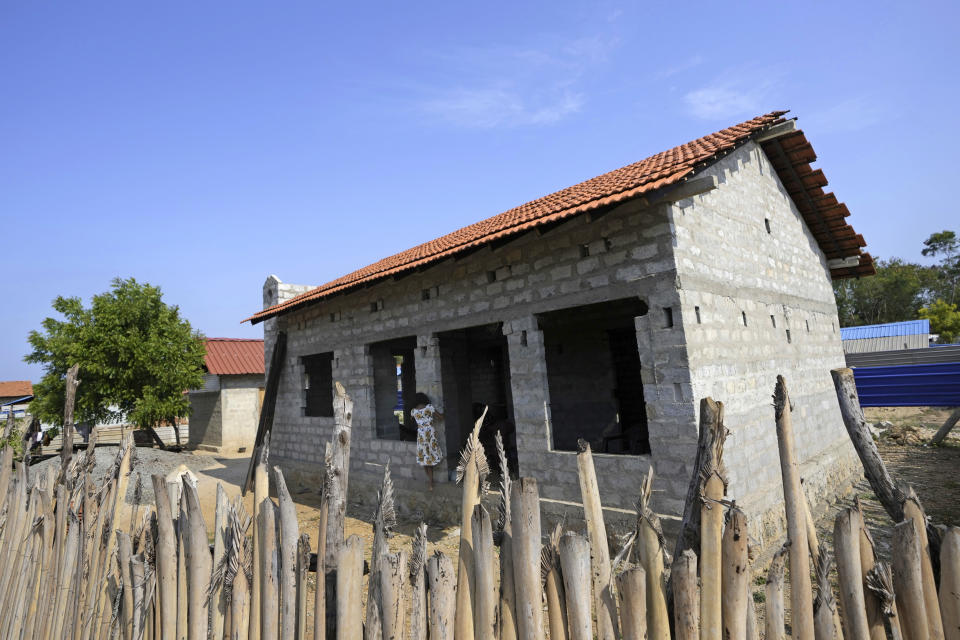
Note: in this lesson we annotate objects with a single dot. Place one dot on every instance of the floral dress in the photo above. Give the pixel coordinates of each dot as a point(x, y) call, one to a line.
point(428, 449)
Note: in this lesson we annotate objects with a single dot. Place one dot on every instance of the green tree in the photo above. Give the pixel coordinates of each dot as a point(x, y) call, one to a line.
point(944, 320)
point(137, 356)
point(946, 245)
point(897, 291)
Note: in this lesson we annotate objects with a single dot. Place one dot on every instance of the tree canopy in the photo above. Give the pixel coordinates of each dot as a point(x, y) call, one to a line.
point(137, 357)
point(900, 289)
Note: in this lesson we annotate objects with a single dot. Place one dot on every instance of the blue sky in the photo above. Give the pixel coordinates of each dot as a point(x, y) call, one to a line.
point(203, 146)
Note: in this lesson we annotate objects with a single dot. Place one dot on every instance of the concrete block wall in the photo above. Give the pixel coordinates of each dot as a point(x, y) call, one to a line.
point(225, 420)
point(731, 270)
point(627, 253)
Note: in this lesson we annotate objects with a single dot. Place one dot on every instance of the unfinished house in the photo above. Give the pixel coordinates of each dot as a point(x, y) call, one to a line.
point(604, 311)
point(226, 410)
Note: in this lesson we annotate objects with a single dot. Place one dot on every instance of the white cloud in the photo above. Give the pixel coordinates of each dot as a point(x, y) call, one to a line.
point(736, 93)
point(516, 86)
point(691, 63)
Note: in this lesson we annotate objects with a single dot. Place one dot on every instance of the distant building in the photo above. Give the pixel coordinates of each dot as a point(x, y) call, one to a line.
point(893, 336)
point(15, 395)
point(225, 412)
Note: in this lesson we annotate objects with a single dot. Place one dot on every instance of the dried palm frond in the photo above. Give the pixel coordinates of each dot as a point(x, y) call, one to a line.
point(473, 453)
point(880, 582)
point(419, 556)
point(385, 515)
point(623, 556)
point(503, 509)
point(645, 513)
point(550, 553)
point(238, 555)
point(822, 574)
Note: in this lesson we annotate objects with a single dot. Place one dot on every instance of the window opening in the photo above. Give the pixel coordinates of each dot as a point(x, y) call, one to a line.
point(318, 384)
point(594, 382)
point(394, 385)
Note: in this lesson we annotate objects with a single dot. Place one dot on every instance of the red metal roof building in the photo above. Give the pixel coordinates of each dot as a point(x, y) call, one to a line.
point(23, 388)
point(234, 356)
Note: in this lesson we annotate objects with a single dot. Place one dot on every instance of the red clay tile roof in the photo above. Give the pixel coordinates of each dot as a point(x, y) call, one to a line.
point(16, 389)
point(666, 169)
point(234, 356)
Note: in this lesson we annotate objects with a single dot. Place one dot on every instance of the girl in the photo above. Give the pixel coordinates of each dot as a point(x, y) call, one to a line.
point(428, 448)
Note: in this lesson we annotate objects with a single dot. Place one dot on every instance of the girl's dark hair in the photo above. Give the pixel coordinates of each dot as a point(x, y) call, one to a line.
point(420, 398)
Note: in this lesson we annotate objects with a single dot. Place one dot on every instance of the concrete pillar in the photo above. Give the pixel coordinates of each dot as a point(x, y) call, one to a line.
point(531, 396)
point(430, 382)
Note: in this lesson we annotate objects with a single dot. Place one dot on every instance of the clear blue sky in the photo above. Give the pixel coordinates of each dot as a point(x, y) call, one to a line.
point(201, 146)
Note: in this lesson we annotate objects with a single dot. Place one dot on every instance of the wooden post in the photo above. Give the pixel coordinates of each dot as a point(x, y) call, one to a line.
point(876, 472)
point(686, 599)
point(908, 581)
point(442, 597)
point(337, 474)
point(526, 559)
point(198, 558)
point(880, 582)
point(320, 597)
point(471, 474)
point(604, 602)
point(632, 586)
point(166, 560)
point(574, 552)
point(711, 534)
point(946, 428)
point(950, 582)
point(484, 567)
point(553, 587)
point(384, 520)
point(709, 450)
point(773, 591)
point(261, 492)
point(735, 575)
point(125, 553)
point(824, 607)
point(218, 598)
point(267, 409)
point(507, 620)
point(649, 535)
point(350, 590)
point(240, 607)
point(269, 572)
point(846, 542)
point(303, 568)
point(871, 601)
point(913, 511)
point(66, 448)
point(289, 533)
point(393, 604)
point(418, 606)
point(801, 604)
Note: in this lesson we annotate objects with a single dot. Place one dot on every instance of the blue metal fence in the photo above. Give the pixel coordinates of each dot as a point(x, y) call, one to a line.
point(912, 385)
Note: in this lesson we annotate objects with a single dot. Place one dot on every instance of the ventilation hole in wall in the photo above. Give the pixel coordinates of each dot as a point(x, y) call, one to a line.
point(584, 250)
point(333, 317)
point(677, 392)
point(336, 361)
point(808, 326)
point(376, 305)
point(773, 321)
point(523, 338)
point(743, 316)
point(607, 244)
point(788, 337)
point(667, 317)
point(766, 223)
point(696, 310)
point(423, 351)
point(833, 327)
point(491, 276)
point(425, 294)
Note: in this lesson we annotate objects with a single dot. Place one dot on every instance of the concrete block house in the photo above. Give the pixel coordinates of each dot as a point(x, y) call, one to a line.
point(604, 311)
point(225, 412)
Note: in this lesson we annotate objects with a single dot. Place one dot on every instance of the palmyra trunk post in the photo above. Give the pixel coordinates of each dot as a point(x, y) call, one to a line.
point(950, 582)
point(604, 601)
point(443, 601)
point(686, 597)
point(574, 552)
point(801, 601)
point(908, 581)
point(507, 619)
point(485, 591)
point(526, 559)
point(471, 474)
point(735, 575)
point(774, 617)
point(632, 585)
point(650, 548)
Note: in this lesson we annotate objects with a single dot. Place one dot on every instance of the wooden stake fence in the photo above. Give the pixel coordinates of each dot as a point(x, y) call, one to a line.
point(69, 568)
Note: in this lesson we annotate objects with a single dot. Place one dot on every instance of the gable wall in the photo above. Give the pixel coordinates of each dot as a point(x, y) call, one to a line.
point(728, 264)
